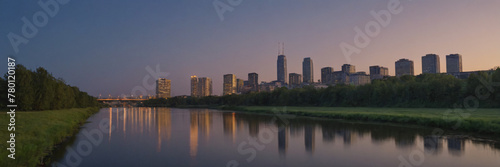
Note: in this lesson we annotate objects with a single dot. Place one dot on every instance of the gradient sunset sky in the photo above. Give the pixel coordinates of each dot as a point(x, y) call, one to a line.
point(104, 47)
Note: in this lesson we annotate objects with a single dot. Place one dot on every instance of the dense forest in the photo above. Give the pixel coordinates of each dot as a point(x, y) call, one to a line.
point(39, 90)
point(425, 90)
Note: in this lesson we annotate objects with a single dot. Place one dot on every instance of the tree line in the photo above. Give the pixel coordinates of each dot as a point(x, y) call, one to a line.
point(425, 90)
point(39, 90)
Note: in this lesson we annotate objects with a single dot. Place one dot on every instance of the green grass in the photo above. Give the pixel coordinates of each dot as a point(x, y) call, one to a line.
point(38, 132)
point(484, 121)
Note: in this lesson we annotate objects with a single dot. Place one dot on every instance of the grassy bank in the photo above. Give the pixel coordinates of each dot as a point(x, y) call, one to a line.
point(38, 132)
point(484, 121)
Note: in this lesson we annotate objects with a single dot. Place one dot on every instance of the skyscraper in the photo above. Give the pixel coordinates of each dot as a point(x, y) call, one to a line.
point(454, 63)
point(194, 86)
point(253, 81)
point(349, 69)
point(325, 73)
point(295, 79)
point(307, 70)
point(205, 86)
point(162, 88)
point(430, 64)
point(378, 72)
point(282, 72)
point(404, 67)
point(229, 84)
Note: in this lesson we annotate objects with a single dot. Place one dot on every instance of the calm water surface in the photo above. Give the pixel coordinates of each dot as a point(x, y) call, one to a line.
point(205, 137)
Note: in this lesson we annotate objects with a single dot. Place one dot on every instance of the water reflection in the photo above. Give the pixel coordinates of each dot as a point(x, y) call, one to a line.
point(171, 137)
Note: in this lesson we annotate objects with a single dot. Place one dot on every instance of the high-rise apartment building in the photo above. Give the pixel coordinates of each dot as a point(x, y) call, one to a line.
point(325, 73)
point(404, 67)
point(239, 85)
point(162, 88)
point(230, 84)
point(430, 64)
point(194, 86)
point(307, 70)
point(454, 63)
point(282, 69)
point(205, 86)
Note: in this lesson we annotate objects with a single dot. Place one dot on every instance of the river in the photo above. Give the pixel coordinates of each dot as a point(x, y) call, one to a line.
point(207, 137)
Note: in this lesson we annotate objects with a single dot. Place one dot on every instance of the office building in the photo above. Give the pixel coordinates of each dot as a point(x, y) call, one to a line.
point(282, 69)
point(229, 86)
point(430, 64)
point(404, 67)
point(325, 73)
point(253, 81)
point(162, 88)
point(378, 72)
point(307, 70)
point(454, 63)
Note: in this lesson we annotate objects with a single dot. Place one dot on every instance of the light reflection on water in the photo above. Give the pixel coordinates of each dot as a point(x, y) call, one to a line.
point(203, 137)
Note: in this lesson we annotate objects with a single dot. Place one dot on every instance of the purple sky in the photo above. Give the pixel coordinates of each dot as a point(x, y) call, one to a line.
point(104, 47)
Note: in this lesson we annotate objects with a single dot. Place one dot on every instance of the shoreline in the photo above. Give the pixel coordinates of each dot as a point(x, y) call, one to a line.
point(45, 133)
point(482, 121)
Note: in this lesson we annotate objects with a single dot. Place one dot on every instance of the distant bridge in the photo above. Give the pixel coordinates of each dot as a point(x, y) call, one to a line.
point(121, 102)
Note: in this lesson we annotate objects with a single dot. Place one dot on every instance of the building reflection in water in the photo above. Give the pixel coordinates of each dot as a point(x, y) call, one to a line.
point(253, 127)
point(229, 124)
point(433, 144)
point(328, 134)
point(309, 138)
point(456, 146)
point(199, 120)
point(282, 140)
point(163, 119)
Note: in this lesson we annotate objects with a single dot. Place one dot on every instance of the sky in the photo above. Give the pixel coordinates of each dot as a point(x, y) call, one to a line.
point(118, 46)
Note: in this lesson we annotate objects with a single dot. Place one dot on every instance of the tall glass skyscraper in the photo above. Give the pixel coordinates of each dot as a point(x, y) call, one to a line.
point(307, 70)
point(282, 73)
point(454, 63)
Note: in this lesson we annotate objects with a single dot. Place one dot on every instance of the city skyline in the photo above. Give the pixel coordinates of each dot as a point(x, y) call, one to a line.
point(116, 57)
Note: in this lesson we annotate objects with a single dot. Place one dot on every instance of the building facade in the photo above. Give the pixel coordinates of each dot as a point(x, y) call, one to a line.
point(205, 86)
point(230, 85)
point(194, 86)
point(359, 78)
point(307, 70)
point(404, 67)
point(349, 69)
point(431, 64)
point(239, 85)
point(295, 80)
point(325, 72)
point(378, 72)
point(454, 63)
point(282, 69)
point(253, 81)
point(163, 88)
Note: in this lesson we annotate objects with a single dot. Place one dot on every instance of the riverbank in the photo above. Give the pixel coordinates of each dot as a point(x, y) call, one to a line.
point(483, 121)
point(37, 132)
